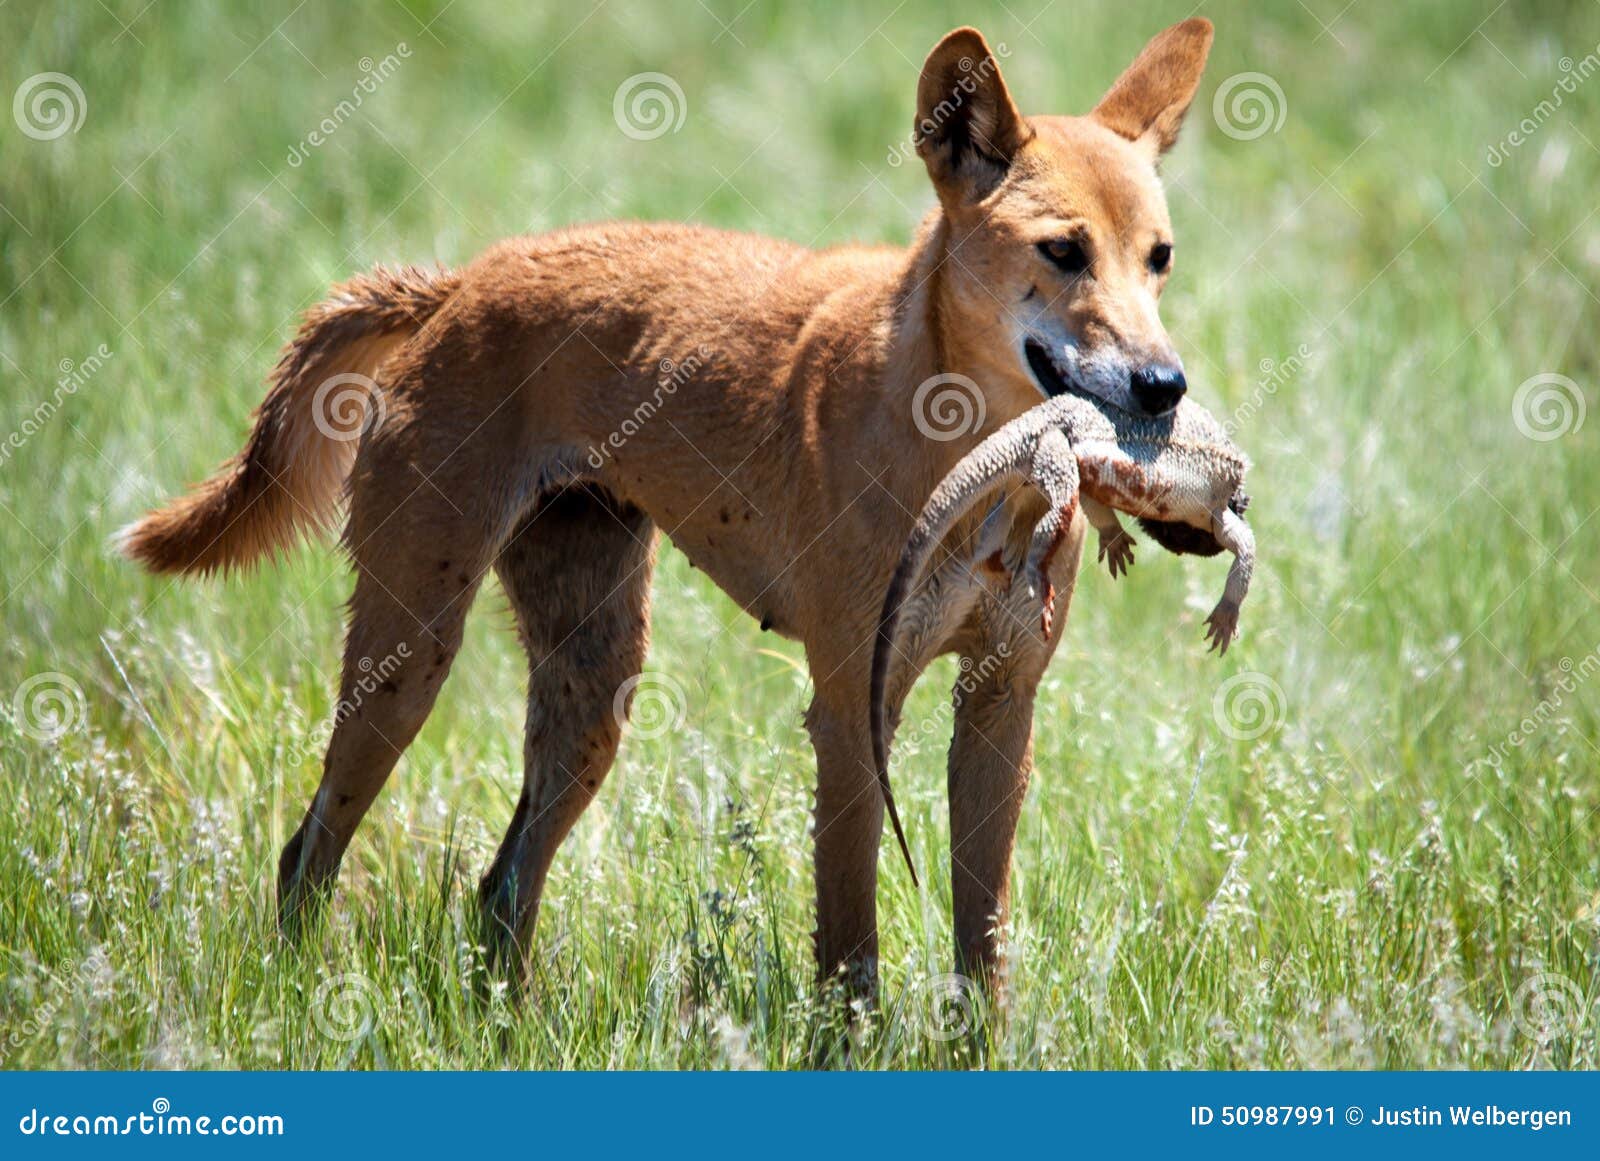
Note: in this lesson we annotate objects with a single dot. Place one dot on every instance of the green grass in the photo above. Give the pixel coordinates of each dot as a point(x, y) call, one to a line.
point(1356, 886)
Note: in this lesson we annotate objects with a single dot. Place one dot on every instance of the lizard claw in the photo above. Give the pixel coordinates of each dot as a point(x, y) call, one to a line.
point(1117, 551)
point(1222, 626)
point(1039, 585)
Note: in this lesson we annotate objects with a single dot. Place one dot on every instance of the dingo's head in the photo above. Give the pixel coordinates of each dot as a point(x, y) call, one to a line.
point(1058, 242)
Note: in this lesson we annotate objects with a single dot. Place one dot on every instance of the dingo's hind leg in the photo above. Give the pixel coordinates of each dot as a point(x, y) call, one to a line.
point(577, 572)
point(418, 564)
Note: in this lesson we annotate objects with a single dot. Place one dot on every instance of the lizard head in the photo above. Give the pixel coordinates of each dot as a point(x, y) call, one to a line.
point(1055, 229)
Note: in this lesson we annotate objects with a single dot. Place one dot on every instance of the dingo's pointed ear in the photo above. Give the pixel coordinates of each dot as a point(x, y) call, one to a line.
point(1152, 95)
point(967, 127)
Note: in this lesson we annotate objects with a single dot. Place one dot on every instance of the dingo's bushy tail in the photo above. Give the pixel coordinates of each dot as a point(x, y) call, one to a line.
point(290, 475)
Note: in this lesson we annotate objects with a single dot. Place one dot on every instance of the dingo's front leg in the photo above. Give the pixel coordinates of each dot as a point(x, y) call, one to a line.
point(991, 756)
point(847, 829)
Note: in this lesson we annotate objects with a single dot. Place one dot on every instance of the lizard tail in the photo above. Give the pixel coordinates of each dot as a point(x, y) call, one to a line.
point(997, 461)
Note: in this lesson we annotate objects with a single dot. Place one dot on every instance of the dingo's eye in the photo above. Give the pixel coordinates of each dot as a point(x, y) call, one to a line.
point(1066, 254)
point(1160, 257)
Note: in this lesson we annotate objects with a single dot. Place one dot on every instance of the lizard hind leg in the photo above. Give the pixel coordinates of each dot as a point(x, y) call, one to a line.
point(988, 558)
point(1053, 469)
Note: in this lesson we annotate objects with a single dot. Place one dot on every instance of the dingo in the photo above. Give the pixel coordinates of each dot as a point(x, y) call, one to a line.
point(516, 415)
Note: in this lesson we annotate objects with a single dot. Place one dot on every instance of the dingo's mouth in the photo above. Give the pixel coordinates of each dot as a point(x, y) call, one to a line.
point(1050, 378)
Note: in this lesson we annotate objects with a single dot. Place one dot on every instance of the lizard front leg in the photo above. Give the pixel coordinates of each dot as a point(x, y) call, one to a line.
point(1233, 534)
point(1116, 546)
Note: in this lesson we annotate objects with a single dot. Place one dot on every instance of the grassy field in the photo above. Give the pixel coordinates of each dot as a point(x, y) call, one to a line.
point(1368, 838)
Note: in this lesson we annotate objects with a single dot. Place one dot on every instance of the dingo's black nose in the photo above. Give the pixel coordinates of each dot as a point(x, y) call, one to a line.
point(1157, 389)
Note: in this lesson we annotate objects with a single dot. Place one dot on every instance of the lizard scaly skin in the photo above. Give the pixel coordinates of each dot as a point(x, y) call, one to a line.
point(1179, 468)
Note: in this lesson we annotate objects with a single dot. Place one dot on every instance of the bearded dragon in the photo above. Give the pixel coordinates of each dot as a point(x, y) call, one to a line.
point(1178, 473)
